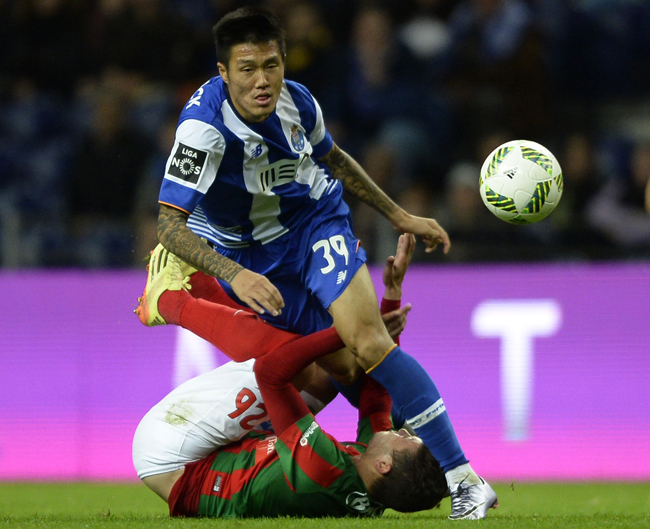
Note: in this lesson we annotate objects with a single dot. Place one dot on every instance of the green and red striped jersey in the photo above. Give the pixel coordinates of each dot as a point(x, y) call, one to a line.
point(303, 472)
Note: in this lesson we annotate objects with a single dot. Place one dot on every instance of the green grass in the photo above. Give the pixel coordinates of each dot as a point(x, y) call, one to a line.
point(537, 505)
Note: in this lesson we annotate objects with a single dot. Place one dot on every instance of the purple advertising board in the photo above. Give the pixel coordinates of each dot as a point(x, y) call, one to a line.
point(544, 369)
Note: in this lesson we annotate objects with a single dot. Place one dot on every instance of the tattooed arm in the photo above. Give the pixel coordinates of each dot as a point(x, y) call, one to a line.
point(357, 182)
point(252, 288)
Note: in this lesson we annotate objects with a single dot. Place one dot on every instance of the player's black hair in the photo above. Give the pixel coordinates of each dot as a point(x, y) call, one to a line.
point(247, 24)
point(415, 482)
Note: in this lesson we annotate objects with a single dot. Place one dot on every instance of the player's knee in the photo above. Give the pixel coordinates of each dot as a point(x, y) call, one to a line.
point(341, 366)
point(371, 347)
point(265, 374)
point(346, 375)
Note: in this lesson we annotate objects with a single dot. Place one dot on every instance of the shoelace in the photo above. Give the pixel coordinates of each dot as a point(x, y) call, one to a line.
point(461, 498)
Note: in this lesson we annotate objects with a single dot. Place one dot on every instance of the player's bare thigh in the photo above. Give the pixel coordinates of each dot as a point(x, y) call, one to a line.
point(162, 484)
point(358, 321)
point(342, 366)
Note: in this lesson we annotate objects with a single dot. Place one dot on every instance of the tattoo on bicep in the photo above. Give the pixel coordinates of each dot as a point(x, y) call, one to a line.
point(174, 235)
point(356, 181)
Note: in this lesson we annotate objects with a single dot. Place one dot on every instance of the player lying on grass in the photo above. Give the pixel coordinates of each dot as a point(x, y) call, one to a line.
point(197, 448)
point(295, 470)
point(167, 301)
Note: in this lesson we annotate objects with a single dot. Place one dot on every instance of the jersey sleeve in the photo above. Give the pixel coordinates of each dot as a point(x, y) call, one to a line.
point(192, 165)
point(321, 140)
point(311, 460)
point(374, 409)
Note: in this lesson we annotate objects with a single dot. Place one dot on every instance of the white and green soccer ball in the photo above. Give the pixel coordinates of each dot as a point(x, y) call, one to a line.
point(521, 182)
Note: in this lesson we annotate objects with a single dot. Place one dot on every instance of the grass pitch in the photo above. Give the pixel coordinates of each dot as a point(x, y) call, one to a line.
point(538, 505)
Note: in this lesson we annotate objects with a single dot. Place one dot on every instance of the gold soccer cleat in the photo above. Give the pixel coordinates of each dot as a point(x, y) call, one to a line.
point(165, 272)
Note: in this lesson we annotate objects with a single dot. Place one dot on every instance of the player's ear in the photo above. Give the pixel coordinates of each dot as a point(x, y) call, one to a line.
point(223, 71)
point(383, 464)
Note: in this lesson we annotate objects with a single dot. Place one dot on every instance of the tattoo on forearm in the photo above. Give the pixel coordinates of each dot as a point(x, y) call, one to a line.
point(357, 182)
point(174, 235)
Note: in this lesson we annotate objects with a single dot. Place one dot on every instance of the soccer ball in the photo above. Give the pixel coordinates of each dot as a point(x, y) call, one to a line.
point(521, 182)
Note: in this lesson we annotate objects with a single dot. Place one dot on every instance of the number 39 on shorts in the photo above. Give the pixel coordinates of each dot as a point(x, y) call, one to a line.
point(335, 244)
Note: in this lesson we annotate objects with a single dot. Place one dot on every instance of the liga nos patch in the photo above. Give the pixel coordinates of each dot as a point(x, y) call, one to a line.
point(187, 163)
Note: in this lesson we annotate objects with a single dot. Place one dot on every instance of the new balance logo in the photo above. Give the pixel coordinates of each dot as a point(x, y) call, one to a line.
point(341, 277)
point(256, 151)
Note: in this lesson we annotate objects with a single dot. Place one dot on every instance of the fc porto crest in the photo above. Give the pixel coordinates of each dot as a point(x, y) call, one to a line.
point(297, 138)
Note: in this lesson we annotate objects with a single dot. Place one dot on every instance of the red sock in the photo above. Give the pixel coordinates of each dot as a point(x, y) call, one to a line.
point(203, 285)
point(239, 334)
point(208, 288)
point(171, 303)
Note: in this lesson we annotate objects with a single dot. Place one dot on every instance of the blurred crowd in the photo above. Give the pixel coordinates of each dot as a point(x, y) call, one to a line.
point(419, 91)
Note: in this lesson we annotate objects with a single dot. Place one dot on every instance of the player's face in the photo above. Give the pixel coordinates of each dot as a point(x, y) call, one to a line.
point(400, 440)
point(254, 77)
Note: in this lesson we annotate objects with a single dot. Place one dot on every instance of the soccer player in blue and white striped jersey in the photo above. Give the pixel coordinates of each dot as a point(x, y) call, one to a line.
point(255, 173)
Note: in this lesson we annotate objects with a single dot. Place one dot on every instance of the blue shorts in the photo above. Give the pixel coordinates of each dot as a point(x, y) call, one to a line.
point(311, 267)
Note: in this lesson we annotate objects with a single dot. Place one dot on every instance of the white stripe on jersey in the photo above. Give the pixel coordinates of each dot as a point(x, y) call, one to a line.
point(332, 186)
point(288, 113)
point(228, 237)
point(318, 134)
point(308, 172)
point(266, 206)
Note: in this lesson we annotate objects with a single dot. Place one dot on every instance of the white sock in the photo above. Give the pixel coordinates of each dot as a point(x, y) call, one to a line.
point(463, 473)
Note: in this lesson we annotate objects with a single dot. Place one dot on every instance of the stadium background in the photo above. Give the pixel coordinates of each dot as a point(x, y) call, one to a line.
point(419, 91)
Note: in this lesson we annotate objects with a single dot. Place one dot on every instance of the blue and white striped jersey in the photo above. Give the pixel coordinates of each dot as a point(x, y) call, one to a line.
point(243, 182)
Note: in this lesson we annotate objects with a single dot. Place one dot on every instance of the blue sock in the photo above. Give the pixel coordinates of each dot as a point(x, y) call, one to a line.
point(397, 416)
point(352, 392)
point(416, 397)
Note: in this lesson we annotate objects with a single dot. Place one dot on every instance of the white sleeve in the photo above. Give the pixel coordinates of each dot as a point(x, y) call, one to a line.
point(318, 134)
point(196, 155)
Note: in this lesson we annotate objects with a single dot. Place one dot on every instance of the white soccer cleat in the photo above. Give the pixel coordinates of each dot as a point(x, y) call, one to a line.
point(471, 501)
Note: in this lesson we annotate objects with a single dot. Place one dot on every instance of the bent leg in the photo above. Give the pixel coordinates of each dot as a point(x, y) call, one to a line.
point(358, 321)
point(162, 484)
point(412, 390)
point(239, 334)
point(342, 366)
point(208, 288)
point(200, 415)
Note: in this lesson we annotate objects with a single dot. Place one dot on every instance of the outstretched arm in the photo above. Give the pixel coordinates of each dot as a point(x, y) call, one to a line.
point(393, 315)
point(357, 182)
point(253, 289)
point(275, 369)
point(397, 265)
